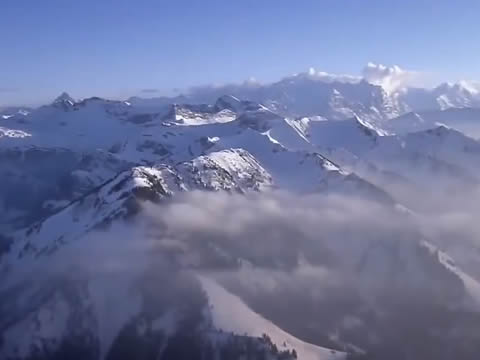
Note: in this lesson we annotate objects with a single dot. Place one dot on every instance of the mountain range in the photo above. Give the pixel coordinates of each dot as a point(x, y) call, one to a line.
point(298, 219)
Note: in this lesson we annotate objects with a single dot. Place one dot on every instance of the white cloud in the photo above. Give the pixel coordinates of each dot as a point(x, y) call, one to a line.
point(314, 74)
point(471, 86)
point(391, 78)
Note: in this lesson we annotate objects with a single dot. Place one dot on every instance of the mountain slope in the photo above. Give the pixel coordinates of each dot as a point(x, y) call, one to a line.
point(231, 314)
point(120, 197)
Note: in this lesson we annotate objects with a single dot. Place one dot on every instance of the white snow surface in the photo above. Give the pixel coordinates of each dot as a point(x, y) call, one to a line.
point(230, 314)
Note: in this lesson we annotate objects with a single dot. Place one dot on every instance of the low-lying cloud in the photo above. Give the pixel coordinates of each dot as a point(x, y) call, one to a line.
point(278, 234)
point(310, 263)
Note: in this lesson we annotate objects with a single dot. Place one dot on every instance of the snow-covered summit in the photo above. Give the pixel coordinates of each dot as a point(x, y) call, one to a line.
point(64, 98)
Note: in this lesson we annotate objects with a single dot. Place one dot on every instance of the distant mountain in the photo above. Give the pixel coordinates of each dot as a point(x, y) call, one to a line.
point(299, 95)
point(465, 119)
point(442, 97)
point(332, 96)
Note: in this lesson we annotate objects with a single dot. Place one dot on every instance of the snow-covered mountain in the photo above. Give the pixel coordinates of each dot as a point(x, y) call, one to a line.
point(55, 155)
point(299, 95)
point(74, 172)
point(442, 97)
point(379, 95)
point(466, 120)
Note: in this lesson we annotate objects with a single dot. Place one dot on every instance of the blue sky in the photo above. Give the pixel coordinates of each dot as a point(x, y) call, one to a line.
point(115, 48)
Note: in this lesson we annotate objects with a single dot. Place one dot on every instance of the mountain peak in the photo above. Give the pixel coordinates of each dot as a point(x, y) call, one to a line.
point(64, 97)
point(440, 130)
point(367, 126)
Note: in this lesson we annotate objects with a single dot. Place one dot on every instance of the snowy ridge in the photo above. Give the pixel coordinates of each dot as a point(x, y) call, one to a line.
point(471, 284)
point(229, 170)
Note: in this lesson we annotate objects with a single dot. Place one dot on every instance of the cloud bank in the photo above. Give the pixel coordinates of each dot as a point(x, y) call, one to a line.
point(312, 264)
